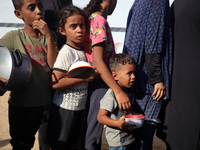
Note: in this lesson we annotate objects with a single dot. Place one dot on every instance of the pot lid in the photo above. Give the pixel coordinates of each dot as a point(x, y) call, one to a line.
point(6, 62)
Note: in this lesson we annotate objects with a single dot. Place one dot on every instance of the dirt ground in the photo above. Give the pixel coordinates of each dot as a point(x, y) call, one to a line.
point(5, 137)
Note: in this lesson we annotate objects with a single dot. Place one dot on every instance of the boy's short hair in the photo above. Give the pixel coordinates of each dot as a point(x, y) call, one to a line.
point(17, 4)
point(120, 59)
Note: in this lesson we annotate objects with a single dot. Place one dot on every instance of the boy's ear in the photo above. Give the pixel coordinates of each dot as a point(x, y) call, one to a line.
point(115, 76)
point(61, 30)
point(18, 14)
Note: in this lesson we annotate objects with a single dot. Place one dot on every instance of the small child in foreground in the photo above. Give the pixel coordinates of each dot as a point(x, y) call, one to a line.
point(118, 132)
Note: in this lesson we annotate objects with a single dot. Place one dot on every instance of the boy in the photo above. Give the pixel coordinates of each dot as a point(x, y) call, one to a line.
point(26, 106)
point(122, 67)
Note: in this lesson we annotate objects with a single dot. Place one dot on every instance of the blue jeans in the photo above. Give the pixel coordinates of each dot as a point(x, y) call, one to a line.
point(126, 147)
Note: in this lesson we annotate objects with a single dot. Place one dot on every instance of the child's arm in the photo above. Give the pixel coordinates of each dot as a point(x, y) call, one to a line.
point(105, 74)
point(42, 26)
point(59, 81)
point(103, 118)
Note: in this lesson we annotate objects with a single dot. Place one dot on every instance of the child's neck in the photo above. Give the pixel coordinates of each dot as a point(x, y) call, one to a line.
point(103, 14)
point(75, 45)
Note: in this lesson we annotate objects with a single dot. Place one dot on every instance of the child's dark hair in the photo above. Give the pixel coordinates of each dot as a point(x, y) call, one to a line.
point(120, 59)
point(67, 12)
point(18, 4)
point(93, 6)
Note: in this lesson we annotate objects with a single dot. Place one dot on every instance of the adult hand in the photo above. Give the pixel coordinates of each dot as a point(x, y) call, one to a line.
point(159, 91)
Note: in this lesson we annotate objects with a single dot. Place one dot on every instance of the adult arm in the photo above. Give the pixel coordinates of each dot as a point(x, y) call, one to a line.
point(154, 47)
point(154, 74)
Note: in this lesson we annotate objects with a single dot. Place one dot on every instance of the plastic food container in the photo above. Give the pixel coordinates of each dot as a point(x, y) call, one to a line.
point(138, 120)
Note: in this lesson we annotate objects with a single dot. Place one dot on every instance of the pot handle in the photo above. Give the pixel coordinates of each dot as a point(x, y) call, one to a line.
point(18, 57)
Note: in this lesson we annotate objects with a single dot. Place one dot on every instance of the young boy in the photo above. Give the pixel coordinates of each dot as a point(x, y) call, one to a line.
point(118, 132)
point(26, 106)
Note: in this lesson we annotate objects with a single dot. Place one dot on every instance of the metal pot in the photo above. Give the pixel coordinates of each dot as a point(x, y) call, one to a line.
point(14, 66)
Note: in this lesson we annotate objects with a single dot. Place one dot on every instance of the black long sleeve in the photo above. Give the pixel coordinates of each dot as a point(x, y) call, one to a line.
point(154, 71)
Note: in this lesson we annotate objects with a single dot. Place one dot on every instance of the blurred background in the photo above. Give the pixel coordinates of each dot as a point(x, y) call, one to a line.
point(117, 20)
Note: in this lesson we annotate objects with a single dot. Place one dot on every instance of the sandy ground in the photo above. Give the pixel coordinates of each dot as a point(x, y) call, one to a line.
point(5, 137)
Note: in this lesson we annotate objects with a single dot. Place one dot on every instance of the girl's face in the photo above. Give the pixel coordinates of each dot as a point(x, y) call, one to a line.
point(74, 30)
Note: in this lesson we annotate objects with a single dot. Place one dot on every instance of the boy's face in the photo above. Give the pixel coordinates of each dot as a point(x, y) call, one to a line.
point(30, 11)
point(74, 30)
point(124, 75)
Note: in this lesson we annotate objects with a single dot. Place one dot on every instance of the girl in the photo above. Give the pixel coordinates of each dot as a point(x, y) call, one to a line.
point(99, 47)
point(70, 96)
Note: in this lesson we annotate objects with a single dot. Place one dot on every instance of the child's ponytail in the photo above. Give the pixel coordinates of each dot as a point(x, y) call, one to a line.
point(92, 7)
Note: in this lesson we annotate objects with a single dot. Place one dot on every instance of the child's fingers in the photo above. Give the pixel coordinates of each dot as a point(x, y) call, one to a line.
point(122, 117)
point(3, 79)
point(41, 20)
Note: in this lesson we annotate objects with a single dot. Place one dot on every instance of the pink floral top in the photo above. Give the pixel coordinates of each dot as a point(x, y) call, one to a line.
point(98, 31)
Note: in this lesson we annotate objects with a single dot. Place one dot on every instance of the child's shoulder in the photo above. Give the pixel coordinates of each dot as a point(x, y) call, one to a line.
point(109, 93)
point(96, 17)
point(12, 33)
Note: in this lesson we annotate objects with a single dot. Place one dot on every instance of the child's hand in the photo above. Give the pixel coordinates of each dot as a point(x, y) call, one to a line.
point(42, 26)
point(2, 82)
point(88, 76)
point(125, 125)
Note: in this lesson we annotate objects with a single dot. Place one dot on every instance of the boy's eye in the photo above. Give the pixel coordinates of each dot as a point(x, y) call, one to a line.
point(31, 7)
point(130, 73)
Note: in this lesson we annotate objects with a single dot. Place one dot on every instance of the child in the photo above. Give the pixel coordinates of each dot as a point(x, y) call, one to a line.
point(99, 47)
point(122, 67)
point(69, 101)
point(26, 106)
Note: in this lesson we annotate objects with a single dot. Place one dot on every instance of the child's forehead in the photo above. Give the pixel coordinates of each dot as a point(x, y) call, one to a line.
point(75, 17)
point(125, 66)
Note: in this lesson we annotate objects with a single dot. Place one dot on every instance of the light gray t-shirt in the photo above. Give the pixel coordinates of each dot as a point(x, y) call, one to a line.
point(115, 136)
point(73, 98)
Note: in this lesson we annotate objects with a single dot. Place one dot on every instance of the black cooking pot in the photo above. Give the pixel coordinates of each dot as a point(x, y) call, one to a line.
point(16, 67)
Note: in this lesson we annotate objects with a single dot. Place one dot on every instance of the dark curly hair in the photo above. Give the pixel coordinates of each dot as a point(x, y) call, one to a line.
point(93, 6)
point(120, 59)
